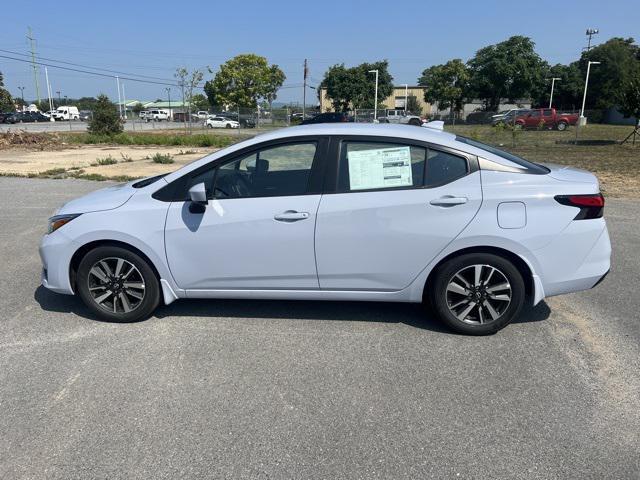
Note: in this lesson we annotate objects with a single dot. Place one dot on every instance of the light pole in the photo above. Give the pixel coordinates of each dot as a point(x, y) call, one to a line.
point(168, 89)
point(584, 97)
point(375, 107)
point(406, 97)
point(22, 94)
point(553, 81)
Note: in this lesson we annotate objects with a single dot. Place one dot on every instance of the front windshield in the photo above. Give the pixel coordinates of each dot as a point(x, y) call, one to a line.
point(530, 166)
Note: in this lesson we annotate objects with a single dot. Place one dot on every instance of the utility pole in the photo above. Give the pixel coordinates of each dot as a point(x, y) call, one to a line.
point(124, 102)
point(168, 89)
point(590, 33)
point(22, 94)
point(119, 97)
point(406, 97)
point(49, 92)
point(375, 109)
point(33, 63)
point(304, 90)
point(553, 82)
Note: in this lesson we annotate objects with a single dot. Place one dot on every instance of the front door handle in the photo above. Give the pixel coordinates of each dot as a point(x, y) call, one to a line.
point(291, 216)
point(448, 201)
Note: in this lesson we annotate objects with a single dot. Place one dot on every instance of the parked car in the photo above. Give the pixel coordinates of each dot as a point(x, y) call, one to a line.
point(507, 117)
point(26, 117)
point(221, 122)
point(143, 114)
point(66, 112)
point(86, 115)
point(401, 117)
point(4, 115)
point(328, 117)
point(546, 118)
point(157, 116)
point(479, 118)
point(246, 120)
point(337, 212)
point(202, 114)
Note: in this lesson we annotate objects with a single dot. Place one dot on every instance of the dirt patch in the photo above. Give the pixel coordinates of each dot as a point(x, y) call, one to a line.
point(28, 140)
point(130, 161)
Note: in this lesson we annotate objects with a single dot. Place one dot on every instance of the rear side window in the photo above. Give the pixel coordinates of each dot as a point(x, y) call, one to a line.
point(443, 168)
point(373, 166)
point(529, 166)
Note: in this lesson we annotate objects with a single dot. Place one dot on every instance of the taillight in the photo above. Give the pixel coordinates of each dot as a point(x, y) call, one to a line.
point(591, 206)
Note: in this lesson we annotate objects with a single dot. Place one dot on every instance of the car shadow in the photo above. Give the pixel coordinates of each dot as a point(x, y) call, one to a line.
point(414, 315)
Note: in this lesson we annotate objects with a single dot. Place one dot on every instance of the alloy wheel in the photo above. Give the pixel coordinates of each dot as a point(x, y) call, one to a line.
point(116, 285)
point(478, 294)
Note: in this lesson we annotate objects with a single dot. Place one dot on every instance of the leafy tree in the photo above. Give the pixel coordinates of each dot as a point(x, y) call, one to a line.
point(105, 120)
point(355, 87)
point(413, 106)
point(447, 85)
point(6, 100)
point(137, 108)
point(200, 102)
point(620, 64)
point(567, 92)
point(243, 80)
point(629, 99)
point(510, 69)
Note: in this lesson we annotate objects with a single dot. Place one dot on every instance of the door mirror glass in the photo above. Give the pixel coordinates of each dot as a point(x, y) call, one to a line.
point(198, 194)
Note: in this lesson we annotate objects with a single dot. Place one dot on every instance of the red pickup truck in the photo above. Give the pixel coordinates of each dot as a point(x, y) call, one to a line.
point(547, 118)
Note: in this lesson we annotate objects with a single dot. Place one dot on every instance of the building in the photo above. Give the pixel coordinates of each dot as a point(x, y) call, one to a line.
point(395, 101)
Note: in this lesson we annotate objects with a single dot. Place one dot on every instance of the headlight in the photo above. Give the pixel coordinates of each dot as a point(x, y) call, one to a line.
point(59, 220)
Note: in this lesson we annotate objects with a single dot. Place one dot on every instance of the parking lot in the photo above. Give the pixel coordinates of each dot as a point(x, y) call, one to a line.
point(76, 126)
point(283, 389)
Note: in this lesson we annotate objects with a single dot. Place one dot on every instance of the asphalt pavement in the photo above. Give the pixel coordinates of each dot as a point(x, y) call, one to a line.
point(277, 389)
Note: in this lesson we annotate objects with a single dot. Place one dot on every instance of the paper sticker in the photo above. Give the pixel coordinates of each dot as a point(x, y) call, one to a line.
point(380, 168)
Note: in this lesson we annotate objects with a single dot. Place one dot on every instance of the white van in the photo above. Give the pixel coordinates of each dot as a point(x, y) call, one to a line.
point(66, 113)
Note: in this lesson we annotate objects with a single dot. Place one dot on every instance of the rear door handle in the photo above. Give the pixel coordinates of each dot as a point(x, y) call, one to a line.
point(448, 201)
point(291, 216)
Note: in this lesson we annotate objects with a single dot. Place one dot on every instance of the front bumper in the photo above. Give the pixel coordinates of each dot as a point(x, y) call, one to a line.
point(55, 252)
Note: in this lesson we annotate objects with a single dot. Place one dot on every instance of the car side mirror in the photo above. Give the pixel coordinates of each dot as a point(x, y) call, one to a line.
point(198, 194)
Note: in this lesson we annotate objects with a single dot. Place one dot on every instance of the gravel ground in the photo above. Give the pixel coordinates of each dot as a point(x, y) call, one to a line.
point(257, 389)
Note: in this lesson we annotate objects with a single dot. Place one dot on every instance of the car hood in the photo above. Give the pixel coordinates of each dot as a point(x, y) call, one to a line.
point(103, 199)
point(570, 174)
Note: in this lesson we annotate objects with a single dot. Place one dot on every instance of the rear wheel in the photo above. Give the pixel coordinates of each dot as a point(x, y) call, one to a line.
point(117, 284)
point(478, 293)
point(562, 126)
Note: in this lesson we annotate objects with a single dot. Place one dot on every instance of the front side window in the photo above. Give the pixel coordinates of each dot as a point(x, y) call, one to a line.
point(277, 171)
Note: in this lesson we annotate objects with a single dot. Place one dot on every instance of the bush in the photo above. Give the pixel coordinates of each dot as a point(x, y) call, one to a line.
point(162, 158)
point(106, 161)
point(105, 120)
point(130, 138)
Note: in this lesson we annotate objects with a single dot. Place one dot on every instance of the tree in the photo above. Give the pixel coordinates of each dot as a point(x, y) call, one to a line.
point(6, 100)
point(137, 108)
point(244, 80)
point(567, 92)
point(200, 102)
point(413, 106)
point(187, 82)
point(447, 85)
point(629, 99)
point(620, 64)
point(105, 120)
point(355, 87)
point(510, 69)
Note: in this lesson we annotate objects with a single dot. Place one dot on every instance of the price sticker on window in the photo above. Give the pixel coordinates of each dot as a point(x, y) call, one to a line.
point(380, 168)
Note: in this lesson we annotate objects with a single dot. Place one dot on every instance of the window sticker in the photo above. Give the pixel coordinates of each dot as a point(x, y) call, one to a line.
point(380, 168)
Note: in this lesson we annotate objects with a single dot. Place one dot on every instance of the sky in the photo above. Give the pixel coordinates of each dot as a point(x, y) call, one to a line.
point(154, 37)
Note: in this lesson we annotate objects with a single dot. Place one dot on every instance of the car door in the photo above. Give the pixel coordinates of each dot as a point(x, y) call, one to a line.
point(397, 204)
point(257, 230)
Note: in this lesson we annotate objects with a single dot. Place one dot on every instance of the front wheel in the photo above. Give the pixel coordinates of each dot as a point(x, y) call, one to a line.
point(117, 284)
point(478, 293)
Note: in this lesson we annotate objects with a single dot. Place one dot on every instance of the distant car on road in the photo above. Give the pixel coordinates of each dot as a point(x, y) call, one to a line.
point(546, 118)
point(400, 117)
point(221, 122)
point(66, 112)
point(157, 116)
point(26, 117)
point(86, 115)
point(328, 117)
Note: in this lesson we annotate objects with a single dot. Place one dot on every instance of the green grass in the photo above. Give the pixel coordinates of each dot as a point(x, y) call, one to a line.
point(143, 138)
point(163, 158)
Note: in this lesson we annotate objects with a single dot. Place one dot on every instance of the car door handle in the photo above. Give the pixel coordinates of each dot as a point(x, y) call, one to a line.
point(291, 216)
point(448, 201)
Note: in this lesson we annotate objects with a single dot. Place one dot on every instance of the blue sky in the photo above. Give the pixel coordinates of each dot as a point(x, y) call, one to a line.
point(154, 37)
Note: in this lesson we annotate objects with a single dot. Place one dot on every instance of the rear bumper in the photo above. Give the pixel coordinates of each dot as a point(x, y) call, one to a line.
point(577, 260)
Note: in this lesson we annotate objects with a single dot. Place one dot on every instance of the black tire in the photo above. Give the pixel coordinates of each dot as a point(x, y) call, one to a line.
point(562, 126)
point(144, 275)
point(476, 322)
point(228, 125)
point(415, 122)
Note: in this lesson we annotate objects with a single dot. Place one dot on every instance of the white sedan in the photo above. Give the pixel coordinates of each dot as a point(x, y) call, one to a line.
point(221, 122)
point(366, 212)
